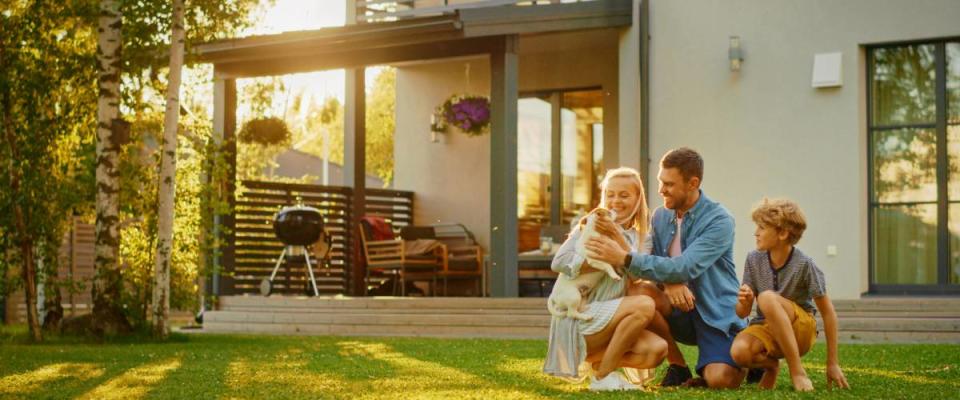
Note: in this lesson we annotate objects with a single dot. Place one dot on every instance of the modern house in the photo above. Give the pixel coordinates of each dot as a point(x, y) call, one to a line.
point(850, 108)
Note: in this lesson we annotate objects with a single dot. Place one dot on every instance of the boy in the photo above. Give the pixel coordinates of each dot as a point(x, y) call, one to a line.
point(783, 280)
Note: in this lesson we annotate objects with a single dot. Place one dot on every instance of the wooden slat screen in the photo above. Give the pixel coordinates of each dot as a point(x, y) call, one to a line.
point(256, 248)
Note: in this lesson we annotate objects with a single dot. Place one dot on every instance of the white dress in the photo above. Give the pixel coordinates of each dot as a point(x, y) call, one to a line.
point(567, 349)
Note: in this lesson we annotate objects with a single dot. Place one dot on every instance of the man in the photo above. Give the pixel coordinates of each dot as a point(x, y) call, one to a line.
point(692, 244)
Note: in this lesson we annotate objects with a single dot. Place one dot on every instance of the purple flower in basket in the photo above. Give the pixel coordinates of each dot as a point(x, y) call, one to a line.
point(470, 114)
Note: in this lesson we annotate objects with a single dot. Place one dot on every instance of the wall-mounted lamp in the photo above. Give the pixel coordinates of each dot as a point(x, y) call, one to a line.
point(435, 131)
point(735, 54)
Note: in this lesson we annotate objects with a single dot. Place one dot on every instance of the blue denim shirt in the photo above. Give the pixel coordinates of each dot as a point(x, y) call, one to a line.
point(706, 261)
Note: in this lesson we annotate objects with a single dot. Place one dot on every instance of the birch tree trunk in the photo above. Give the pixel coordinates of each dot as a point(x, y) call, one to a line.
point(108, 317)
point(168, 173)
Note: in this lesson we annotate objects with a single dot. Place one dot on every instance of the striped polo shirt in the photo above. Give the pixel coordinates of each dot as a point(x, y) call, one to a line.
point(799, 281)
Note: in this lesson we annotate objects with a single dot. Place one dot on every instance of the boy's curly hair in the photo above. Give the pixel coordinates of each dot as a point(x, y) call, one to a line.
point(782, 214)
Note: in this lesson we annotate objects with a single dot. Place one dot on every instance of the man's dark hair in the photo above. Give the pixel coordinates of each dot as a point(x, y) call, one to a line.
point(685, 160)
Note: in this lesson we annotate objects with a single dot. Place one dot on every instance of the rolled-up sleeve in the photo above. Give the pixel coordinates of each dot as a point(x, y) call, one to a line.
point(567, 261)
point(695, 259)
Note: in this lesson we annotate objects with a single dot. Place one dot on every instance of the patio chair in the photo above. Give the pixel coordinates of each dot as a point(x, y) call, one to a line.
point(387, 257)
point(462, 257)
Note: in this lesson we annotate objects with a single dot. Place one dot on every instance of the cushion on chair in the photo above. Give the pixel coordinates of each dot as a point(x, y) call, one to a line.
point(376, 228)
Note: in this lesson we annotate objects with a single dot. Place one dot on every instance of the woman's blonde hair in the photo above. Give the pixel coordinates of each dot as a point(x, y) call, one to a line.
point(641, 218)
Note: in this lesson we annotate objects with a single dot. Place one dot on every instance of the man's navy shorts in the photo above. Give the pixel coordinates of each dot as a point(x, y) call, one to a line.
point(713, 344)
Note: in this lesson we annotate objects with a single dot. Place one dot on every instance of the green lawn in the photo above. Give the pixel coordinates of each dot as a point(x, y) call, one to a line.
point(255, 367)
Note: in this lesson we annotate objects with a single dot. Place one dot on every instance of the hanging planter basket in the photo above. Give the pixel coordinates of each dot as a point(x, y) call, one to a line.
point(266, 131)
point(468, 114)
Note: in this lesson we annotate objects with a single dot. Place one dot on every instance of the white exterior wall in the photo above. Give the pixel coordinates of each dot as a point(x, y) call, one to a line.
point(451, 179)
point(764, 131)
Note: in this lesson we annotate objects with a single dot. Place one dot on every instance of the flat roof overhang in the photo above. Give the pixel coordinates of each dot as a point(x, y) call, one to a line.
point(465, 32)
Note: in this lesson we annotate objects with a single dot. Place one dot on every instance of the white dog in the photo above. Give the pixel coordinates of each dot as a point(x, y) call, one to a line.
point(567, 295)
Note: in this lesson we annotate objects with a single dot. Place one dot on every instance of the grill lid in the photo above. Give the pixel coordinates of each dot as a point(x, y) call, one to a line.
point(298, 225)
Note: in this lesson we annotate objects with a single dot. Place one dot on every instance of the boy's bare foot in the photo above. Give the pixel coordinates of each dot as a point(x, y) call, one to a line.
point(801, 383)
point(769, 379)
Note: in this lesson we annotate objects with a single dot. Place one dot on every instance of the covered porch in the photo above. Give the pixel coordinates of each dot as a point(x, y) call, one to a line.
point(488, 38)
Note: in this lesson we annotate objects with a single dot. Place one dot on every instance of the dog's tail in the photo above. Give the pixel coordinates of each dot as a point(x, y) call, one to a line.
point(553, 309)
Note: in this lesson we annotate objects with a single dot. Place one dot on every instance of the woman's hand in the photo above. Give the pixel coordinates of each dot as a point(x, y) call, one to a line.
point(602, 248)
point(680, 296)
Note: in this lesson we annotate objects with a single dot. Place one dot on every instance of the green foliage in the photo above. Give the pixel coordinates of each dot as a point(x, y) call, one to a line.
point(201, 179)
point(201, 167)
point(380, 122)
point(327, 118)
point(146, 36)
point(48, 86)
point(48, 97)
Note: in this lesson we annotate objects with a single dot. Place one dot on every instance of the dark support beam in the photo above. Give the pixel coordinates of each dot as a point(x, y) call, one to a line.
point(943, 173)
point(356, 132)
point(644, 25)
point(503, 169)
point(225, 128)
point(306, 60)
point(556, 168)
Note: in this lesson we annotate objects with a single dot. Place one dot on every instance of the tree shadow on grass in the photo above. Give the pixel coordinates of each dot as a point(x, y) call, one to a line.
point(348, 358)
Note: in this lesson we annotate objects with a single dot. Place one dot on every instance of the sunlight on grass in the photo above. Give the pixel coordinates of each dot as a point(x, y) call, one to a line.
point(135, 383)
point(418, 379)
point(531, 370)
point(286, 374)
point(30, 381)
point(886, 374)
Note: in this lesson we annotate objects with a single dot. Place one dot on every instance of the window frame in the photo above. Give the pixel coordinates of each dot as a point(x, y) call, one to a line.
point(940, 126)
point(555, 97)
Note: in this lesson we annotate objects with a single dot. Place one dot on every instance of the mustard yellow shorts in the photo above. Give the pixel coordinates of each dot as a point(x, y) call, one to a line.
point(804, 329)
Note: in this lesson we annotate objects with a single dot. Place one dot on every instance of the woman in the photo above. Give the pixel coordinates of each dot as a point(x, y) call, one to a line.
point(617, 335)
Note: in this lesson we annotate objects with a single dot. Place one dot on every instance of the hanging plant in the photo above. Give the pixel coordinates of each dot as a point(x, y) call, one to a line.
point(469, 114)
point(265, 130)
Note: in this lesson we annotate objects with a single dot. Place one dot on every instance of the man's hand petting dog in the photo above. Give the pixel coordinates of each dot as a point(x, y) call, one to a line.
point(609, 229)
point(602, 248)
point(679, 295)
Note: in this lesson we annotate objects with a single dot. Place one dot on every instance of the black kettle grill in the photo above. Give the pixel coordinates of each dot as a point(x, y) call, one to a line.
point(298, 226)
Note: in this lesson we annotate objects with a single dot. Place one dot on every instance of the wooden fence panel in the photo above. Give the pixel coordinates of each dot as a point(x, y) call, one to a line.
point(256, 248)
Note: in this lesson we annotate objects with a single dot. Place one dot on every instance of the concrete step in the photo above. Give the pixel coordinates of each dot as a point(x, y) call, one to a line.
point(855, 336)
point(426, 311)
point(899, 324)
point(900, 314)
point(907, 304)
point(503, 332)
point(920, 320)
point(378, 319)
point(382, 302)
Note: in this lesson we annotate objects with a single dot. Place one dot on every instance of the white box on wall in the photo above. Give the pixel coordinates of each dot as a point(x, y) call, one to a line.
point(828, 70)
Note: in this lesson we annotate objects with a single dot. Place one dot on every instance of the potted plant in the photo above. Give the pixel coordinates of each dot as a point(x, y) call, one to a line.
point(467, 113)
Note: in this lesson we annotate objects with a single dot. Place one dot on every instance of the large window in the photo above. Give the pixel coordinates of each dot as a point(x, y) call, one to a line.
point(559, 153)
point(914, 145)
